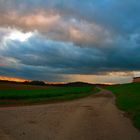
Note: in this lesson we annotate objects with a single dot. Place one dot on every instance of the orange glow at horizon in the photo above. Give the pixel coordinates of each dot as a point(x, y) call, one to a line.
point(16, 79)
point(1, 64)
point(54, 83)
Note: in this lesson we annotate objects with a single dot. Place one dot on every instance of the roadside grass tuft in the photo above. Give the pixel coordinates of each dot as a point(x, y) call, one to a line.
point(128, 99)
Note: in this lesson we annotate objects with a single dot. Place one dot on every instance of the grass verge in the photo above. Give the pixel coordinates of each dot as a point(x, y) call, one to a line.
point(128, 99)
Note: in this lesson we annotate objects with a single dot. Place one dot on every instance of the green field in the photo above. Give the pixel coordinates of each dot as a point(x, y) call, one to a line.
point(128, 99)
point(48, 94)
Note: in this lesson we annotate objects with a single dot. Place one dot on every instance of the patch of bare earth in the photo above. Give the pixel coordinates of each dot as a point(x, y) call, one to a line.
point(93, 118)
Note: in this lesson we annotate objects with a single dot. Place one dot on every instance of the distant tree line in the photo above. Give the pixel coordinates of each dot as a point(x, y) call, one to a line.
point(41, 83)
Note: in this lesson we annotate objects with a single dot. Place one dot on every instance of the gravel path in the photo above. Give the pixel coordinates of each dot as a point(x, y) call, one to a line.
point(93, 118)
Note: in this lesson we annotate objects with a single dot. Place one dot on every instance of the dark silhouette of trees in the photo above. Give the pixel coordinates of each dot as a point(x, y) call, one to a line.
point(41, 83)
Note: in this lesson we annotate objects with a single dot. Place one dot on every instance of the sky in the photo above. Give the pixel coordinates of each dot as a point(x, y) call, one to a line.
point(95, 41)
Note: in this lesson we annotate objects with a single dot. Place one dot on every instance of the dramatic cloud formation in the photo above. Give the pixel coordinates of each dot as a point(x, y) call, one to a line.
point(62, 40)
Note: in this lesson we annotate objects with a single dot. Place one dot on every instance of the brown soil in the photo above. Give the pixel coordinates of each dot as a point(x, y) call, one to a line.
point(92, 118)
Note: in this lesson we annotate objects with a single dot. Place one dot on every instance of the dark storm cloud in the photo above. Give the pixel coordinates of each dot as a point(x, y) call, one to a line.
point(69, 37)
point(93, 21)
point(115, 13)
point(39, 57)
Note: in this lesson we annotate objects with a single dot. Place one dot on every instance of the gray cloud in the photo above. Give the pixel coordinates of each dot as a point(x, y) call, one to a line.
point(94, 23)
point(69, 37)
point(40, 57)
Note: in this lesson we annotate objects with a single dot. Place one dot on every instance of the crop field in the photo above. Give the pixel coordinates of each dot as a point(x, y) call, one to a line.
point(128, 99)
point(29, 93)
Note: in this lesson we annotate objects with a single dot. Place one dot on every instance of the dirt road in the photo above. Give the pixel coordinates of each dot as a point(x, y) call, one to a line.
point(92, 118)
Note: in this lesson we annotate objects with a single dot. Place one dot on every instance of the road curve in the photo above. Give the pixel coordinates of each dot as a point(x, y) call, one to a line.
point(93, 118)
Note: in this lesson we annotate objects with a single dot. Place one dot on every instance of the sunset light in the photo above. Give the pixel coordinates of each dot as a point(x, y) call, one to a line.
point(16, 79)
point(69, 69)
point(19, 36)
point(58, 40)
